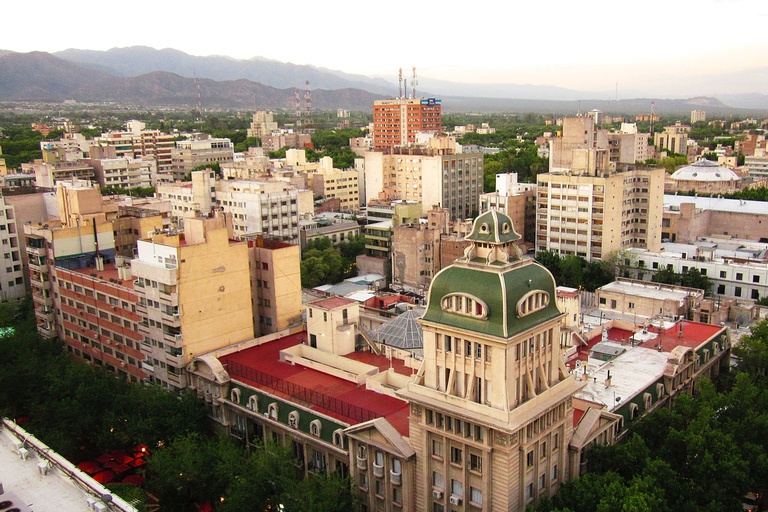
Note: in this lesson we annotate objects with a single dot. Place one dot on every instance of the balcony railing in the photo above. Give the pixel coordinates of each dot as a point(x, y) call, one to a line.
point(300, 393)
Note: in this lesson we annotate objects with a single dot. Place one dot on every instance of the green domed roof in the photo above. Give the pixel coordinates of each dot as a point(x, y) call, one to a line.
point(493, 227)
point(501, 290)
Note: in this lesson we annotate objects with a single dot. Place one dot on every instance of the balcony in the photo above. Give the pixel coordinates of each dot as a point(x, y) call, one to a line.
point(395, 478)
point(172, 338)
point(45, 314)
point(34, 264)
point(378, 470)
point(47, 330)
point(43, 285)
point(39, 252)
point(177, 361)
point(171, 319)
point(362, 463)
point(42, 299)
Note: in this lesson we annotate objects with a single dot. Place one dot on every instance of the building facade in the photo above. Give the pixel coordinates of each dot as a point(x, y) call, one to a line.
point(594, 216)
point(395, 122)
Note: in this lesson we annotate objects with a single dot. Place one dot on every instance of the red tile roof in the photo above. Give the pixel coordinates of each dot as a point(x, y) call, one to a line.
point(358, 403)
point(332, 302)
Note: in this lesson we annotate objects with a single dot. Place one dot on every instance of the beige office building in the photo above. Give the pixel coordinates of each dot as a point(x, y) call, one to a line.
point(593, 216)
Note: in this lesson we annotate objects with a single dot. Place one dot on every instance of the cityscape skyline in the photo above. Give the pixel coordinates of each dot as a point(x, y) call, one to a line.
point(577, 46)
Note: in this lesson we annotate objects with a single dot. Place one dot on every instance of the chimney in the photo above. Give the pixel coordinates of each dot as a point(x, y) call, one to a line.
point(99, 263)
point(608, 380)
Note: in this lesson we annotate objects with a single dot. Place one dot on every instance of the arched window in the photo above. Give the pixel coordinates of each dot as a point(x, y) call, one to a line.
point(660, 390)
point(648, 400)
point(273, 411)
point(293, 419)
point(234, 395)
point(531, 302)
point(314, 428)
point(253, 403)
point(338, 438)
point(633, 409)
point(464, 304)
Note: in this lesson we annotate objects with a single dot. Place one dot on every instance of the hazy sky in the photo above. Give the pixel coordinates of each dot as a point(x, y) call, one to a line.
point(588, 44)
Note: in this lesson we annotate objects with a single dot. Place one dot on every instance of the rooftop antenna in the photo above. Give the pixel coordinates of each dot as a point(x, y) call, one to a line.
point(400, 84)
point(298, 110)
point(653, 106)
point(307, 105)
point(414, 83)
point(197, 86)
point(578, 114)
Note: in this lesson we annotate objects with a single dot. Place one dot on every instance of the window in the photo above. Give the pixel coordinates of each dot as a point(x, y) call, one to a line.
point(273, 411)
point(234, 395)
point(529, 459)
point(362, 452)
point(721, 289)
point(314, 428)
point(613, 304)
point(542, 481)
point(448, 344)
point(396, 467)
point(438, 480)
point(456, 455)
point(553, 475)
point(293, 419)
point(338, 438)
point(437, 448)
point(737, 291)
point(475, 462)
point(457, 488)
point(631, 305)
point(722, 274)
point(476, 496)
point(739, 276)
point(529, 491)
point(378, 459)
point(379, 487)
point(363, 481)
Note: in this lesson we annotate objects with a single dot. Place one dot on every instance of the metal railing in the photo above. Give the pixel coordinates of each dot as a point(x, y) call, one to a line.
point(300, 393)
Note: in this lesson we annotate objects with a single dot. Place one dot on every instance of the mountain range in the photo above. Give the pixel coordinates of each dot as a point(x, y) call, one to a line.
point(144, 76)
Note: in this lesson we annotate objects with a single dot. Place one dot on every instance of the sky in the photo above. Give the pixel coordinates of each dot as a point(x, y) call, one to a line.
point(599, 45)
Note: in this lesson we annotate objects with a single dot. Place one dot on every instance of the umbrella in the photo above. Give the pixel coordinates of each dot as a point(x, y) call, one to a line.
point(90, 467)
point(110, 464)
point(134, 480)
point(136, 463)
point(104, 477)
point(122, 468)
point(104, 458)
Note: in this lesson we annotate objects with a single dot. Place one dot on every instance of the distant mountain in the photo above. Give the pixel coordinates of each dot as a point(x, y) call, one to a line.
point(40, 76)
point(139, 60)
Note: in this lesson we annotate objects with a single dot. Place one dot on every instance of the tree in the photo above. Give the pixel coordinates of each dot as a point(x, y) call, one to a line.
point(550, 260)
point(666, 276)
point(693, 278)
point(571, 271)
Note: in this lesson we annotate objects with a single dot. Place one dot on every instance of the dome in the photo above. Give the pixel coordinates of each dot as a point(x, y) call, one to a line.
point(493, 227)
point(493, 301)
point(705, 170)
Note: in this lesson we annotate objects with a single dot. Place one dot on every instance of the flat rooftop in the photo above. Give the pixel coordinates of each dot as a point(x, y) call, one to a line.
point(25, 484)
point(109, 273)
point(642, 359)
point(650, 291)
point(265, 359)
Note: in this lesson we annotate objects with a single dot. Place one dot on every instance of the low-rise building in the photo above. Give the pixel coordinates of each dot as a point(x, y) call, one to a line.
point(202, 149)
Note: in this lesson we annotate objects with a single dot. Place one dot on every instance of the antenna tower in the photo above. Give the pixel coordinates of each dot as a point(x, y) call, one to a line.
point(400, 82)
point(414, 83)
point(298, 110)
point(197, 86)
point(307, 105)
point(653, 106)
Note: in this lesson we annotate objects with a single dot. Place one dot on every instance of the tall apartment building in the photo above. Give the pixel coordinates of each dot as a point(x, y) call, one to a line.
point(262, 124)
point(80, 236)
point(440, 177)
point(270, 208)
point(97, 316)
point(491, 411)
point(330, 183)
point(275, 284)
point(137, 142)
point(200, 150)
point(698, 115)
point(123, 172)
point(395, 122)
point(275, 141)
point(194, 296)
point(594, 216)
point(674, 138)
point(59, 163)
point(12, 285)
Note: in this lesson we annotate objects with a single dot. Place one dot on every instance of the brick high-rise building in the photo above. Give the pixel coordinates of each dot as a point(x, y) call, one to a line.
point(395, 122)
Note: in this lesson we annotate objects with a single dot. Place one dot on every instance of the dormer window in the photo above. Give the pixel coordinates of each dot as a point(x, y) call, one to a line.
point(484, 228)
point(465, 304)
point(506, 228)
point(531, 302)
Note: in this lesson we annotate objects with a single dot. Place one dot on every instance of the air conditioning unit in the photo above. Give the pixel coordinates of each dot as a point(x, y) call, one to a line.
point(455, 500)
point(438, 495)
